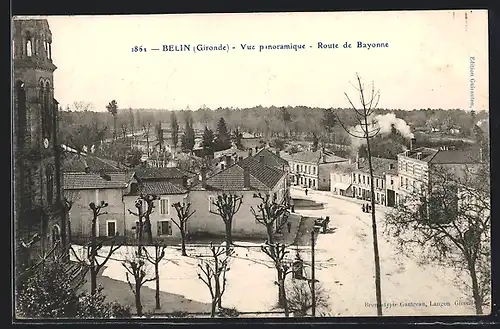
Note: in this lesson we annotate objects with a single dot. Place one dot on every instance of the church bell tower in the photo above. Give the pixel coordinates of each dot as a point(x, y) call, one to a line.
point(37, 174)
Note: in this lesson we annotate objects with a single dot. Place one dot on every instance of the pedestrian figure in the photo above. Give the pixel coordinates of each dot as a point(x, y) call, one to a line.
point(306, 190)
point(363, 207)
point(289, 226)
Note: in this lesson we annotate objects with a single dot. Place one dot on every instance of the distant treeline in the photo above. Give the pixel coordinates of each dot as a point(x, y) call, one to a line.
point(267, 122)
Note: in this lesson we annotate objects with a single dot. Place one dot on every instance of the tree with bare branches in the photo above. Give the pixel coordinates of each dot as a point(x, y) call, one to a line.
point(136, 267)
point(146, 126)
point(366, 130)
point(124, 129)
point(155, 259)
point(91, 262)
point(277, 252)
point(269, 212)
point(145, 206)
point(448, 222)
point(183, 214)
point(68, 200)
point(227, 205)
point(213, 274)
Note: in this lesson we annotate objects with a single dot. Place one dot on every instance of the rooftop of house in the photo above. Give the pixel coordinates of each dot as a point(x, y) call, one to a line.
point(73, 162)
point(157, 188)
point(434, 156)
point(380, 166)
point(313, 157)
point(83, 181)
point(261, 177)
point(160, 173)
point(230, 152)
point(268, 157)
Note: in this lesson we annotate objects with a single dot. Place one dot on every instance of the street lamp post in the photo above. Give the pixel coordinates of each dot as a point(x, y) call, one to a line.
point(313, 279)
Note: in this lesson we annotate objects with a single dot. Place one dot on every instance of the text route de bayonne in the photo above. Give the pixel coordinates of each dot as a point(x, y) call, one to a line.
point(221, 47)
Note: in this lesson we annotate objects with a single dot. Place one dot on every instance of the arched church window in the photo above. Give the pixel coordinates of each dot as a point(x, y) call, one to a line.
point(50, 184)
point(50, 50)
point(28, 45)
point(56, 234)
point(29, 48)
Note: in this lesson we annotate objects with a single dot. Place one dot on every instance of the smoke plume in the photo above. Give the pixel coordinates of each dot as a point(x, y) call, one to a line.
point(384, 123)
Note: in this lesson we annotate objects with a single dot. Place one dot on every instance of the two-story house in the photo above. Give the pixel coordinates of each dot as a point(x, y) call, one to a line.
point(361, 182)
point(341, 179)
point(91, 179)
point(312, 169)
point(161, 217)
point(417, 166)
point(243, 179)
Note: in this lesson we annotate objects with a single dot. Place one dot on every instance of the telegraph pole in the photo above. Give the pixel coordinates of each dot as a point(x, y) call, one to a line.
point(313, 279)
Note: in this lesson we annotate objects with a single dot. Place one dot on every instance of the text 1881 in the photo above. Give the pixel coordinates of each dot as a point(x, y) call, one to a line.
point(139, 49)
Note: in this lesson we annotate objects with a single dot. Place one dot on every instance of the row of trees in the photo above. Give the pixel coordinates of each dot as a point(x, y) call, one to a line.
point(212, 269)
point(269, 122)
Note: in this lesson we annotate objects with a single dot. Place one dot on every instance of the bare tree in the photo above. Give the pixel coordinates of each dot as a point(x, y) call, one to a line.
point(146, 126)
point(159, 254)
point(269, 212)
point(69, 199)
point(183, 214)
point(300, 301)
point(145, 206)
point(277, 253)
point(136, 267)
point(213, 274)
point(82, 106)
point(124, 128)
point(449, 223)
point(91, 261)
point(367, 129)
point(227, 205)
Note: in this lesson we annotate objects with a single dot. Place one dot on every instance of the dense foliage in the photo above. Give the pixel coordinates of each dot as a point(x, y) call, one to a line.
point(49, 294)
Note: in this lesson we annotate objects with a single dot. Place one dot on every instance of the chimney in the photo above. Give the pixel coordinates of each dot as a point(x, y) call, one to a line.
point(261, 159)
point(250, 152)
point(256, 149)
point(246, 177)
point(277, 152)
point(413, 140)
point(203, 175)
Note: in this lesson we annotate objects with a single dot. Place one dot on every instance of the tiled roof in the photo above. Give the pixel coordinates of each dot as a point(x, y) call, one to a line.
point(82, 180)
point(158, 188)
point(270, 158)
point(312, 157)
point(379, 165)
point(456, 157)
point(72, 162)
point(160, 173)
point(434, 156)
point(262, 177)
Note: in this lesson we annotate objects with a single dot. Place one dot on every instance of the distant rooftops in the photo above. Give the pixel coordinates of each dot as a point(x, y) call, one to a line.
point(443, 156)
point(313, 157)
point(160, 173)
point(73, 162)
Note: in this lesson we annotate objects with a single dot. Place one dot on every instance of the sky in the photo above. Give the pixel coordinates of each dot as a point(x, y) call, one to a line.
point(427, 63)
